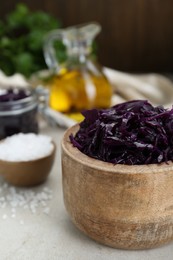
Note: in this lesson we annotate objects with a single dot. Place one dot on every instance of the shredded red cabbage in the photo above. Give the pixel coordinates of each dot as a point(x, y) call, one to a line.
point(130, 133)
point(13, 94)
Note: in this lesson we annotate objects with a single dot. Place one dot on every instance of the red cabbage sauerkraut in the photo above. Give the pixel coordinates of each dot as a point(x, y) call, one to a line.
point(132, 133)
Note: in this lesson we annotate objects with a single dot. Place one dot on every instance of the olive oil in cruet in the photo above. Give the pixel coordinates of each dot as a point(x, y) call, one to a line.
point(78, 84)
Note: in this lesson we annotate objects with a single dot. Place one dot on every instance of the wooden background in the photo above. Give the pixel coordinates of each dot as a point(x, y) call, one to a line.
point(137, 35)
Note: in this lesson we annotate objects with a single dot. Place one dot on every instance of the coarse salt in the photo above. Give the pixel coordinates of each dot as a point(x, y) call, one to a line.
point(25, 147)
point(33, 201)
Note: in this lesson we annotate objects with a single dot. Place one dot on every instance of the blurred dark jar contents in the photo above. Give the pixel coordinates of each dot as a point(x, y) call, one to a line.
point(18, 111)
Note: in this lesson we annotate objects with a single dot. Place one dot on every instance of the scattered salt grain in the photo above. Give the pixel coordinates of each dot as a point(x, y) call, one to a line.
point(27, 199)
point(25, 147)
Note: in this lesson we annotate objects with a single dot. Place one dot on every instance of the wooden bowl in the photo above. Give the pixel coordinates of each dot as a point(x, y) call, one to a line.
point(121, 206)
point(27, 173)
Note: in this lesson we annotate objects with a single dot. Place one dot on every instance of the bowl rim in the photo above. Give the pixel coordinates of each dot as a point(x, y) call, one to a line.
point(107, 167)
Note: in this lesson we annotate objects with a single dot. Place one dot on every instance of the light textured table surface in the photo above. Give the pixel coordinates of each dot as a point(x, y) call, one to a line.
point(52, 236)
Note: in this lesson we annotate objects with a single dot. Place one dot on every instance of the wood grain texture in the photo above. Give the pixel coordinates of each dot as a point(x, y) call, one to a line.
point(121, 206)
point(137, 35)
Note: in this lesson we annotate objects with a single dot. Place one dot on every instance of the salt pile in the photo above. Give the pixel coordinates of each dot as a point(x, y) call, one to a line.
point(25, 147)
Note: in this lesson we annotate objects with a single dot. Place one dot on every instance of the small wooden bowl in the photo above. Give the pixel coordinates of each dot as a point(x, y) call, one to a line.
point(27, 173)
point(121, 206)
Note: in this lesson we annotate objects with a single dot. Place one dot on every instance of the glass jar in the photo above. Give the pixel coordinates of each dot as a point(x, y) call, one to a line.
point(18, 112)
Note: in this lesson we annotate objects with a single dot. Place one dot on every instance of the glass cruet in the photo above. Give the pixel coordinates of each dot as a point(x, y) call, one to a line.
point(79, 83)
